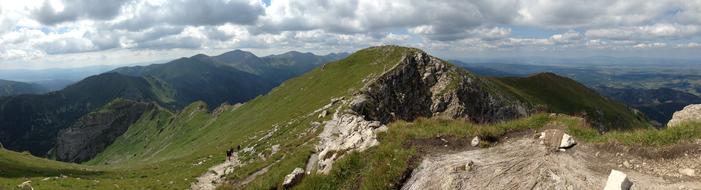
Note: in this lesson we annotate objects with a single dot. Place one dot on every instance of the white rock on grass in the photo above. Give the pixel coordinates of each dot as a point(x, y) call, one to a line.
point(292, 178)
point(26, 185)
point(475, 141)
point(618, 181)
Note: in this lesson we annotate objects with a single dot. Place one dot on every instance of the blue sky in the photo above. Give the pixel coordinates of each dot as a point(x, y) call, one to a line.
point(57, 33)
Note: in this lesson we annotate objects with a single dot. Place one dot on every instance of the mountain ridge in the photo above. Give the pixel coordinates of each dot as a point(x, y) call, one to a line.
point(9, 88)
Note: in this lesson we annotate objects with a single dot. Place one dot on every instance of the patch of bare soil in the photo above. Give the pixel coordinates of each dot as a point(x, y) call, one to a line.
point(677, 162)
point(520, 162)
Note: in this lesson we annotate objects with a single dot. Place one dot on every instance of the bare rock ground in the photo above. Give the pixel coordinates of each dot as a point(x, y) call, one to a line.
point(522, 163)
point(213, 177)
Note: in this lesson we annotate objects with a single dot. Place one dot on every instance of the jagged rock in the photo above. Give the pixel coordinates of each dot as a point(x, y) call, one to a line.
point(475, 141)
point(93, 132)
point(293, 178)
point(423, 86)
point(690, 113)
point(567, 141)
point(688, 172)
point(618, 180)
point(26, 185)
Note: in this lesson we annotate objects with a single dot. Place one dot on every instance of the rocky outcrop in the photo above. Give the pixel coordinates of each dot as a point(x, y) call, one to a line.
point(95, 131)
point(344, 133)
point(424, 86)
point(419, 85)
point(690, 113)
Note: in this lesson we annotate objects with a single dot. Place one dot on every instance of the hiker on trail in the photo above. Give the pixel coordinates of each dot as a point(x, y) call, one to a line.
point(229, 153)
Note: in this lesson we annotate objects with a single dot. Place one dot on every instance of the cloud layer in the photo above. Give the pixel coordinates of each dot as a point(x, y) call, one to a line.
point(36, 30)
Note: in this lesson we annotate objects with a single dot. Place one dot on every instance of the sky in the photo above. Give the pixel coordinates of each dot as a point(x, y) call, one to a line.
point(36, 34)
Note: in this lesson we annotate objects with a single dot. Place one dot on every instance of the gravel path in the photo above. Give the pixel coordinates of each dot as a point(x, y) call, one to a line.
point(213, 177)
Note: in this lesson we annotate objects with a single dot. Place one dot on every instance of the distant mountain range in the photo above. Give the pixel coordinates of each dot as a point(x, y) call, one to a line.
point(8, 88)
point(31, 122)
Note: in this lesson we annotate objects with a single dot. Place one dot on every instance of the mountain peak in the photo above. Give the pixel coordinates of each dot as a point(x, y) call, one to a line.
point(200, 57)
point(238, 53)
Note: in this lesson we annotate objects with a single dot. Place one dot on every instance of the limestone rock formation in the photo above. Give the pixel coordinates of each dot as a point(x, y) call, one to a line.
point(92, 133)
point(690, 113)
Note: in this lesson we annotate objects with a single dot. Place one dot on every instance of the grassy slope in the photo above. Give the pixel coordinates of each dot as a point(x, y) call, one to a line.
point(197, 134)
point(564, 95)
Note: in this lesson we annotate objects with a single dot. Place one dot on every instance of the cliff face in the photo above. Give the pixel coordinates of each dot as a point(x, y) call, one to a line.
point(95, 131)
point(425, 86)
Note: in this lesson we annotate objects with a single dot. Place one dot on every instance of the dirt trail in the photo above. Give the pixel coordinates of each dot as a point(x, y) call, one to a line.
point(522, 163)
point(213, 177)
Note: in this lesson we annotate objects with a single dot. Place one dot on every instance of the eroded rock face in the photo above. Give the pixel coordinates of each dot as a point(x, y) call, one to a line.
point(690, 113)
point(424, 86)
point(92, 133)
